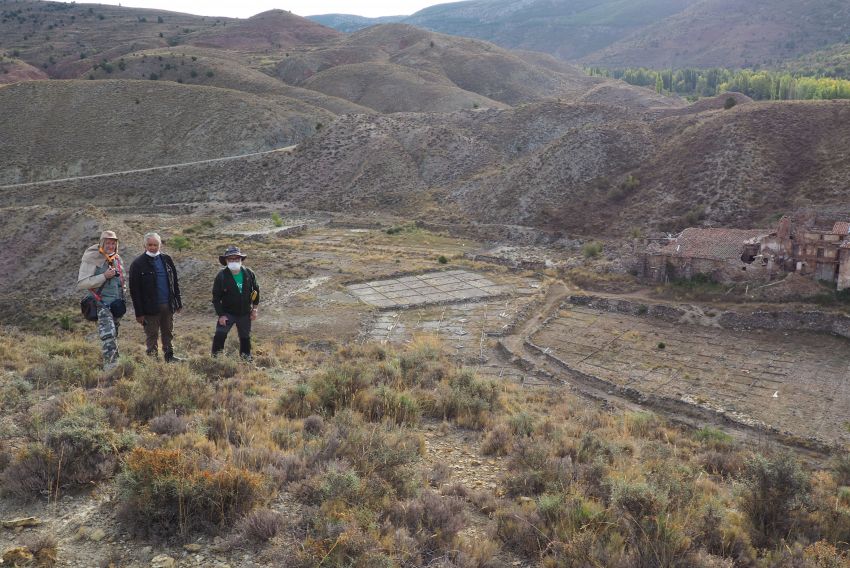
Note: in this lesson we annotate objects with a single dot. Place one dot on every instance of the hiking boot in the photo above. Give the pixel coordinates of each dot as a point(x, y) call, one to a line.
point(171, 358)
point(154, 354)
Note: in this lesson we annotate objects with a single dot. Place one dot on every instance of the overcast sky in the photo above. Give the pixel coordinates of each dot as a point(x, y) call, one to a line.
point(247, 8)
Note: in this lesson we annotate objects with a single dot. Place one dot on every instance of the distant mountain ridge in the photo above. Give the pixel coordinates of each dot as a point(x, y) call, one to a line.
point(651, 33)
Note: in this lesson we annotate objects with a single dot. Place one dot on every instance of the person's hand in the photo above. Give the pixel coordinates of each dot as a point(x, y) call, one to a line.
point(110, 273)
point(177, 311)
point(253, 314)
point(140, 319)
point(222, 320)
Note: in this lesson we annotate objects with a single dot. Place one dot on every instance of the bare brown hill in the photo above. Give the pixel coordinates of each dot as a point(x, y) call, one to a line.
point(743, 165)
point(386, 87)
point(87, 127)
point(268, 31)
point(217, 68)
point(583, 168)
point(358, 68)
point(13, 70)
point(729, 33)
point(67, 39)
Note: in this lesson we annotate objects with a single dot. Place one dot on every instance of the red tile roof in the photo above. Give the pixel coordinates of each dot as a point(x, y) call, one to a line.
point(841, 228)
point(720, 244)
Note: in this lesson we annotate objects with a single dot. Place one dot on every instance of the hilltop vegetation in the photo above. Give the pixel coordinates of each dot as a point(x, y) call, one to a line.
point(758, 85)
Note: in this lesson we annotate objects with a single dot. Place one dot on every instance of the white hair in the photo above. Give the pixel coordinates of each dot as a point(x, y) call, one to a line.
point(152, 236)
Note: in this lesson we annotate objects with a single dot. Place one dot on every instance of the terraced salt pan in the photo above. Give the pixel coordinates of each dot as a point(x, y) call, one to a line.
point(422, 289)
point(797, 382)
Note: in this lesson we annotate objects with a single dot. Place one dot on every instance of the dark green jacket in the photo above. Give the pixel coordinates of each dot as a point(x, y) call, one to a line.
point(226, 297)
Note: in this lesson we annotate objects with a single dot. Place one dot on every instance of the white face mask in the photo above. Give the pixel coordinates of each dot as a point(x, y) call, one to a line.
point(234, 266)
point(152, 254)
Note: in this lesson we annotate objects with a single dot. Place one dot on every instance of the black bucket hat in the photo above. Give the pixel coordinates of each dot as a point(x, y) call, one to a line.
point(231, 251)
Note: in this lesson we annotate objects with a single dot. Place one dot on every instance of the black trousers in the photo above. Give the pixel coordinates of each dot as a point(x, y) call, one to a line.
point(243, 329)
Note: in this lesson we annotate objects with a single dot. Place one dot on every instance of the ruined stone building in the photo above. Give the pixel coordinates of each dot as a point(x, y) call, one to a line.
point(821, 252)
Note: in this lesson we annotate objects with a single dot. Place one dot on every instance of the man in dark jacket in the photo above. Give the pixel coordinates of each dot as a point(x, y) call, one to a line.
point(156, 295)
point(236, 296)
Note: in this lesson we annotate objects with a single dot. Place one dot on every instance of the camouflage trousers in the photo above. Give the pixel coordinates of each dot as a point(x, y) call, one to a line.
point(107, 330)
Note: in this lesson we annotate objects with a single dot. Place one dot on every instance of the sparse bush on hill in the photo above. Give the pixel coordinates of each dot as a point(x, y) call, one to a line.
point(592, 249)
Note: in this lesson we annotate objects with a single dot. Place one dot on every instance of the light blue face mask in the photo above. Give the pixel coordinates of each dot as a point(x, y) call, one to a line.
point(234, 266)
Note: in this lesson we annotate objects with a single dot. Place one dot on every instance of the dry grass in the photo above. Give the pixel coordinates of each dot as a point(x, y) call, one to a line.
point(209, 446)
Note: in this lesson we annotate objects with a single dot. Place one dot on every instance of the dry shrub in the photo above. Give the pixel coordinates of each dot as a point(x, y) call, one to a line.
point(439, 474)
point(44, 548)
point(313, 425)
point(64, 371)
point(167, 492)
point(727, 463)
point(828, 514)
point(464, 398)
point(261, 525)
point(384, 402)
point(385, 453)
point(286, 435)
point(159, 387)
point(336, 386)
point(519, 528)
point(841, 468)
point(477, 553)
point(825, 555)
point(14, 393)
point(528, 470)
point(642, 424)
point(498, 441)
point(169, 424)
point(214, 368)
point(423, 363)
point(32, 472)
point(84, 444)
point(221, 427)
point(433, 520)
point(298, 402)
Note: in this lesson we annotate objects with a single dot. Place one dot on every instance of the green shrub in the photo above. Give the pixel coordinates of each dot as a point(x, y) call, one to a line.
point(592, 249)
point(84, 445)
point(522, 424)
point(772, 489)
point(179, 242)
point(277, 219)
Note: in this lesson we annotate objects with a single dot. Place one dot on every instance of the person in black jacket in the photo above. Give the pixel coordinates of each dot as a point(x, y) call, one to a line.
point(156, 295)
point(236, 296)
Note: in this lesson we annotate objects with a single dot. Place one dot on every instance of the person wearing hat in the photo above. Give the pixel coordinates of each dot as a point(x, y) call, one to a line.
point(102, 274)
point(156, 295)
point(236, 296)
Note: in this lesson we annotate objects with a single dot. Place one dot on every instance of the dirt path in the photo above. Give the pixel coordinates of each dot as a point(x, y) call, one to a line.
point(151, 169)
